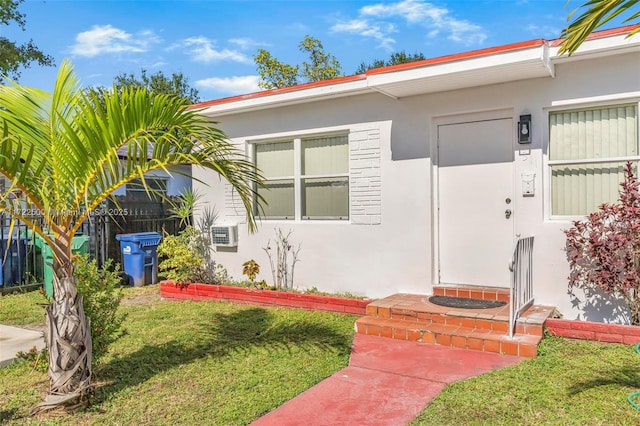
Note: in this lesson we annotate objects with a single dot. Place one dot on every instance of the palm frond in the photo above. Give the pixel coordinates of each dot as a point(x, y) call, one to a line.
point(69, 150)
point(597, 13)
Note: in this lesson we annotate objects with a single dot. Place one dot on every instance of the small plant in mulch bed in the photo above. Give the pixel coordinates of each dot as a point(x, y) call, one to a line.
point(251, 269)
point(345, 295)
point(283, 261)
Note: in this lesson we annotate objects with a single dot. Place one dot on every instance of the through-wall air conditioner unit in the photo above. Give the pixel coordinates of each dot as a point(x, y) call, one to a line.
point(225, 235)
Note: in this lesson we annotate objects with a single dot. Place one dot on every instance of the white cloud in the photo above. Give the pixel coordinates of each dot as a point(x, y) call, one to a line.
point(201, 49)
point(246, 43)
point(231, 85)
point(365, 28)
point(544, 31)
point(298, 26)
point(158, 64)
point(413, 11)
point(104, 39)
point(374, 21)
point(465, 32)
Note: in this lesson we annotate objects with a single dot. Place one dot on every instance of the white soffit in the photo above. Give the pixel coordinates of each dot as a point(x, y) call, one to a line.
point(472, 72)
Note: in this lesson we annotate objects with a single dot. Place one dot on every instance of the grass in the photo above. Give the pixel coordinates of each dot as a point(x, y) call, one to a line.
point(570, 383)
point(218, 363)
point(189, 363)
point(22, 309)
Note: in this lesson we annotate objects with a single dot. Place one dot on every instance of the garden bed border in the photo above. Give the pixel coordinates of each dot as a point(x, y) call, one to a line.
point(573, 329)
point(196, 291)
point(587, 330)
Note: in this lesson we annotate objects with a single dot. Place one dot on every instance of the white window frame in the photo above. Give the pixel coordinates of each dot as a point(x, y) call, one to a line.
point(298, 177)
point(584, 104)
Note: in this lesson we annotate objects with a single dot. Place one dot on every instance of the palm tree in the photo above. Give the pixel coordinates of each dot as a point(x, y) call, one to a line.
point(60, 152)
point(599, 12)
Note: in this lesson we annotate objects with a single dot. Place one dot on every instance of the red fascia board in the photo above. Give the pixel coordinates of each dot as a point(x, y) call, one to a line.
point(459, 56)
point(279, 91)
point(602, 34)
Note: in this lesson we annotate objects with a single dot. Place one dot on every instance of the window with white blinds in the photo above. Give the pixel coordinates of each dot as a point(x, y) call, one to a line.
point(587, 152)
point(306, 178)
point(276, 161)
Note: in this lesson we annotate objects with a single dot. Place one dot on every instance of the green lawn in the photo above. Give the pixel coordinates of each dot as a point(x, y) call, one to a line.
point(22, 309)
point(189, 363)
point(216, 363)
point(570, 383)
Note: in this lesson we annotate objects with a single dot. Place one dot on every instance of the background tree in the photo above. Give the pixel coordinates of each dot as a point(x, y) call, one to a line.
point(597, 13)
point(61, 152)
point(14, 55)
point(159, 84)
point(396, 58)
point(321, 65)
point(275, 74)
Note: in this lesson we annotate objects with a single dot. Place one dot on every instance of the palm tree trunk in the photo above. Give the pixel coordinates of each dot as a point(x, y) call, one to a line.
point(68, 339)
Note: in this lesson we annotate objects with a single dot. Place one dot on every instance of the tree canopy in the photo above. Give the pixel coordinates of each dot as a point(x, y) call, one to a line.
point(273, 73)
point(159, 84)
point(12, 54)
point(320, 66)
point(396, 58)
point(597, 13)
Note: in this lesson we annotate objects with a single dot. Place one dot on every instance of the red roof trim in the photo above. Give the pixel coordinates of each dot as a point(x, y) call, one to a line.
point(602, 34)
point(418, 64)
point(279, 91)
point(459, 56)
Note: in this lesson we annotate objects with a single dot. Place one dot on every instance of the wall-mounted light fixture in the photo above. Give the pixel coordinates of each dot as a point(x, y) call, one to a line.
point(524, 129)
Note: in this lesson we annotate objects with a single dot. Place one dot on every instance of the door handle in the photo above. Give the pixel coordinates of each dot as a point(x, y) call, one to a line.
point(507, 213)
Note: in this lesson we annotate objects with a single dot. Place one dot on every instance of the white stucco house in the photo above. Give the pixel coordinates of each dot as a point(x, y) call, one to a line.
point(424, 174)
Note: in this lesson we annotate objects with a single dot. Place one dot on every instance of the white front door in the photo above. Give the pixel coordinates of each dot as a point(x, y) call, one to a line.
point(475, 201)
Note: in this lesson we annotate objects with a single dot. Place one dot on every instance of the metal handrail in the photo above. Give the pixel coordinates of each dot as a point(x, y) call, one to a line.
point(521, 292)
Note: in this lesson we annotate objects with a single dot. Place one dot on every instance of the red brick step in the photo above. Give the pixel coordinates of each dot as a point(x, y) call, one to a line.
point(414, 318)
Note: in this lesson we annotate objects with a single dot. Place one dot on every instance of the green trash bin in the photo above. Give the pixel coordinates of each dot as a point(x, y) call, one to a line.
point(79, 245)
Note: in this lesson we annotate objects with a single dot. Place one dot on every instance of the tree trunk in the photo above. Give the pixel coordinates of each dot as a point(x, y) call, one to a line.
point(68, 340)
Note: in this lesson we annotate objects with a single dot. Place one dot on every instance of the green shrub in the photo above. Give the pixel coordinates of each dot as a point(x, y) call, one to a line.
point(102, 295)
point(183, 258)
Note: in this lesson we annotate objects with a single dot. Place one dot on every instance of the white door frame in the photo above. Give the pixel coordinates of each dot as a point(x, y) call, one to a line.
point(457, 118)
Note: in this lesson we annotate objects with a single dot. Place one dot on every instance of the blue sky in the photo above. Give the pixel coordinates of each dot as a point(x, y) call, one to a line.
point(212, 42)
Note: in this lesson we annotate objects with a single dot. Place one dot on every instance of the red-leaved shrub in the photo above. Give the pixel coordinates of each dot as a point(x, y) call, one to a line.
point(603, 250)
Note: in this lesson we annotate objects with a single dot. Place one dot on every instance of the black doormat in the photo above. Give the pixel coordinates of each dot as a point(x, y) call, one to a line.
point(465, 303)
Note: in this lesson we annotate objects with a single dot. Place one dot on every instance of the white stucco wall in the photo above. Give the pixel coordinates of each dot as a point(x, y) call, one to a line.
point(377, 259)
point(397, 255)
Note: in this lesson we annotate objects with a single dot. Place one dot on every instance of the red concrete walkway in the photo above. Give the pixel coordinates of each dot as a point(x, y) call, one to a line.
point(387, 382)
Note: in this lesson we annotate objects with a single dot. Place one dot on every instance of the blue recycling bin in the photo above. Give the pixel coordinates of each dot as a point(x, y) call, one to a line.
point(140, 257)
point(13, 255)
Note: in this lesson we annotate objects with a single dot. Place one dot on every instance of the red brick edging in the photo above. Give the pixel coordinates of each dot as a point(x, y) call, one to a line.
point(262, 297)
point(585, 330)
